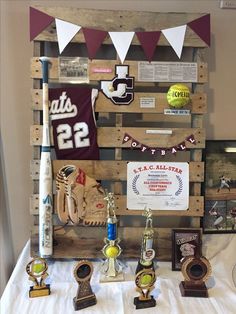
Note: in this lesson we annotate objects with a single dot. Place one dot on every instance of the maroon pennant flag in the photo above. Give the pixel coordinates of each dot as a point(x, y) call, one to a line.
point(162, 151)
point(202, 27)
point(143, 148)
point(191, 139)
point(152, 150)
point(134, 143)
point(174, 150)
point(93, 40)
point(38, 22)
point(126, 138)
point(148, 41)
point(182, 146)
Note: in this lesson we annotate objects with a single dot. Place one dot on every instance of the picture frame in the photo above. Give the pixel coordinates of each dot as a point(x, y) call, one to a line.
point(220, 187)
point(185, 242)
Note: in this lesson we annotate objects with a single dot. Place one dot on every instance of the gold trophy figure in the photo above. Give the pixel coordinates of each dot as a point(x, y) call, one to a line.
point(37, 271)
point(111, 250)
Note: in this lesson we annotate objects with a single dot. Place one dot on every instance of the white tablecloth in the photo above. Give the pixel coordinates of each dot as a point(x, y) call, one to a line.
point(117, 298)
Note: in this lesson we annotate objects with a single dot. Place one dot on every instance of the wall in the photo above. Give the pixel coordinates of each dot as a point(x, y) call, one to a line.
point(16, 51)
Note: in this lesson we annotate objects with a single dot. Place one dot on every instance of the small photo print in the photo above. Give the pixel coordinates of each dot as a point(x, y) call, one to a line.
point(73, 70)
point(215, 215)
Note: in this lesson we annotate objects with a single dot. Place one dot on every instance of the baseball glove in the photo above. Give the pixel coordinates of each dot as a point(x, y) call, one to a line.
point(83, 199)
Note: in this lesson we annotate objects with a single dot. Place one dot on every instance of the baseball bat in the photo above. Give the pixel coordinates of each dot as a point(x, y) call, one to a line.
point(45, 177)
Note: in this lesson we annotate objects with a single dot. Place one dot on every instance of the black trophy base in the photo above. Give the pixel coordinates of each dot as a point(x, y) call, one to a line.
point(193, 290)
point(39, 292)
point(85, 302)
point(144, 304)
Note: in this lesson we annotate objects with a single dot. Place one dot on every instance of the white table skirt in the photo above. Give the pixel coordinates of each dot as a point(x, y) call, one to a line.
point(117, 298)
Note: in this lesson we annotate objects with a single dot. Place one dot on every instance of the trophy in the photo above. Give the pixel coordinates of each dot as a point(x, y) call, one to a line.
point(147, 252)
point(196, 270)
point(111, 268)
point(145, 272)
point(145, 280)
point(37, 271)
point(85, 296)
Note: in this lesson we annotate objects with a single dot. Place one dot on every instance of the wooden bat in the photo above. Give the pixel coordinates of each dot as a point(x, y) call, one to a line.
point(45, 177)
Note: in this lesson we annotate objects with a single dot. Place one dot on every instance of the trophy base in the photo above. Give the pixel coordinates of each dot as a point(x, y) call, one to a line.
point(199, 291)
point(144, 304)
point(117, 278)
point(85, 302)
point(41, 292)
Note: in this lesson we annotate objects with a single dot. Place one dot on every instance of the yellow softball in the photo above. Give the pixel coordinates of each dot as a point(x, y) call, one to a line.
point(178, 95)
point(145, 280)
point(38, 268)
point(112, 251)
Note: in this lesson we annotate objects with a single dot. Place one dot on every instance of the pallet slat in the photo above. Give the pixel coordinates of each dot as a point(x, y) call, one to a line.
point(198, 103)
point(113, 136)
point(36, 71)
point(196, 207)
point(110, 169)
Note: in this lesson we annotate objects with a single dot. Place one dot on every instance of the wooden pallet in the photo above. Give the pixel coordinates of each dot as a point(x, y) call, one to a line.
point(80, 241)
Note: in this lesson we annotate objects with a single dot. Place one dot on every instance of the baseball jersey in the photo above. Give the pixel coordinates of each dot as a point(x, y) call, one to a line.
point(73, 122)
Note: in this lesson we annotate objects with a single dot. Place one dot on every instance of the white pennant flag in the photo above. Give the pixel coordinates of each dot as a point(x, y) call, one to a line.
point(122, 42)
point(65, 32)
point(175, 37)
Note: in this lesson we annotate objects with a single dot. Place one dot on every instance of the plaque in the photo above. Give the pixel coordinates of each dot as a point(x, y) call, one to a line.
point(196, 270)
point(85, 296)
point(37, 271)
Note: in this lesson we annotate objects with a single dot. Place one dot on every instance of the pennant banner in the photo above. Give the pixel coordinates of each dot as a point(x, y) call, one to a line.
point(65, 32)
point(38, 22)
point(154, 150)
point(121, 40)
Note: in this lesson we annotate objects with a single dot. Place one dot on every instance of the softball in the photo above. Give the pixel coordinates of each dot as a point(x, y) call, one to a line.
point(178, 95)
point(37, 268)
point(112, 251)
point(145, 280)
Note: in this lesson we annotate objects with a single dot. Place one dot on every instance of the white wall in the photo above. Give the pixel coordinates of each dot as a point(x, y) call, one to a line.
point(16, 51)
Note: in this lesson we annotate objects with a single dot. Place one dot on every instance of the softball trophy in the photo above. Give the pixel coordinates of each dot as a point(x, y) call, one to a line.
point(37, 271)
point(111, 268)
point(147, 252)
point(85, 296)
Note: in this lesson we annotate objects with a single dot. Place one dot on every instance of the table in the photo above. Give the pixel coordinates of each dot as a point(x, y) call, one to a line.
point(117, 298)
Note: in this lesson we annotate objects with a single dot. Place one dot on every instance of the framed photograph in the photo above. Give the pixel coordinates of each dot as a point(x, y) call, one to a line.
point(220, 187)
point(73, 70)
point(185, 242)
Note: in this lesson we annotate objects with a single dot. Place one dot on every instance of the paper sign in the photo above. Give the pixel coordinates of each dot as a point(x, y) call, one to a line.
point(147, 102)
point(158, 185)
point(167, 72)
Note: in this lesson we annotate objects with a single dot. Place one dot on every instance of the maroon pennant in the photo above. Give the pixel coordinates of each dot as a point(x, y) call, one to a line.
point(143, 148)
point(93, 40)
point(153, 150)
point(182, 146)
point(38, 22)
point(191, 139)
point(148, 41)
point(202, 27)
point(163, 151)
point(174, 150)
point(126, 138)
point(134, 143)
